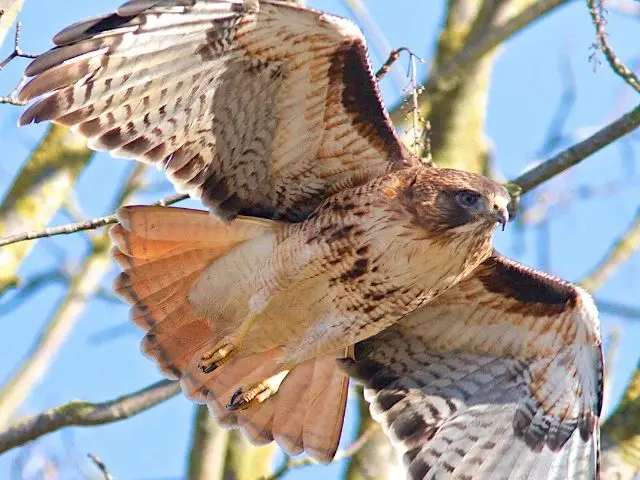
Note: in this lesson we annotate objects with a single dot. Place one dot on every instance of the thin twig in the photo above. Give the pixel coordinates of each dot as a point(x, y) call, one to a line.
point(613, 308)
point(82, 287)
point(32, 286)
point(556, 130)
point(415, 92)
point(80, 226)
point(97, 461)
point(291, 464)
point(17, 51)
point(393, 58)
point(617, 255)
point(596, 10)
point(563, 197)
point(11, 99)
point(447, 77)
point(576, 153)
point(79, 413)
point(415, 107)
point(375, 35)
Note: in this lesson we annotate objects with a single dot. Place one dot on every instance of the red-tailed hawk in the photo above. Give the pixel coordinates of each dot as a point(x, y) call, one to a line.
point(327, 234)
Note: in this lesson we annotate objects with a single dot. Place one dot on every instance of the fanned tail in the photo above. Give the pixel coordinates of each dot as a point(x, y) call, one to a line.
point(162, 252)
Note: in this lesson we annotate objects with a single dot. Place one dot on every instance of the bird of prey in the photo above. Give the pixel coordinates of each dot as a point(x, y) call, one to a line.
point(330, 248)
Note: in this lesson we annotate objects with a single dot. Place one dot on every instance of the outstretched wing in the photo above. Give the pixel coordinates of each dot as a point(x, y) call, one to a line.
point(500, 377)
point(263, 108)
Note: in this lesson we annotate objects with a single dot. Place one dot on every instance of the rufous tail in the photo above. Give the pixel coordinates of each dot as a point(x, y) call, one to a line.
point(162, 251)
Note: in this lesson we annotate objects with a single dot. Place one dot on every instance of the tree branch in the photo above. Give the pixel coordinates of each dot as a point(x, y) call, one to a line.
point(79, 413)
point(81, 288)
point(618, 254)
point(596, 10)
point(100, 465)
point(37, 193)
point(379, 460)
point(8, 12)
point(290, 464)
point(576, 153)
point(208, 447)
point(613, 308)
point(79, 226)
point(621, 435)
point(446, 78)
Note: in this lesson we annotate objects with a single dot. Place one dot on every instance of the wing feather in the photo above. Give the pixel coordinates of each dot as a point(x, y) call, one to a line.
point(262, 110)
point(500, 377)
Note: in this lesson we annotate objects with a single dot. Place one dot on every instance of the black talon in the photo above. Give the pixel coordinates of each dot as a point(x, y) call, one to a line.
point(233, 403)
point(207, 368)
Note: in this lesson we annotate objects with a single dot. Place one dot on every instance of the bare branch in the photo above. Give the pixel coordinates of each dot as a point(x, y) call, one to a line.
point(81, 288)
point(376, 36)
point(576, 153)
point(596, 10)
point(11, 100)
point(97, 461)
point(446, 78)
point(208, 450)
point(80, 226)
point(79, 413)
point(17, 51)
point(393, 58)
point(38, 191)
point(555, 132)
point(621, 437)
point(613, 308)
point(291, 464)
point(31, 286)
point(624, 247)
point(8, 12)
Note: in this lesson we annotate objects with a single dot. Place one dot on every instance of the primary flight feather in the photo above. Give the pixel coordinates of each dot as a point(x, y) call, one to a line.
point(329, 240)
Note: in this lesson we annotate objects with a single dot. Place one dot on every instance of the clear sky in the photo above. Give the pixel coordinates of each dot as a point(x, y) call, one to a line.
point(526, 87)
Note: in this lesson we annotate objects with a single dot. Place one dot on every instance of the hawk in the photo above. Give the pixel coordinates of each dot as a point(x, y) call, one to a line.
point(331, 249)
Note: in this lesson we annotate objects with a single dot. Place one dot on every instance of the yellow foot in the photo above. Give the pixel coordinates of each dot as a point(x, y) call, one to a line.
point(257, 393)
point(223, 351)
point(218, 355)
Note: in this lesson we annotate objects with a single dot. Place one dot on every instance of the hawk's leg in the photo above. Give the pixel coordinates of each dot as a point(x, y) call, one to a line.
point(226, 347)
point(252, 395)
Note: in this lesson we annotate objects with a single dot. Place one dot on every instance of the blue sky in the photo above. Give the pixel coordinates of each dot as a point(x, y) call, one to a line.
point(525, 89)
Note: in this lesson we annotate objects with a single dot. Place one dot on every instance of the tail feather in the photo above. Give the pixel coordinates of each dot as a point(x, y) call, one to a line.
point(133, 248)
point(163, 252)
point(186, 225)
point(325, 413)
point(162, 273)
point(306, 414)
point(157, 308)
point(290, 413)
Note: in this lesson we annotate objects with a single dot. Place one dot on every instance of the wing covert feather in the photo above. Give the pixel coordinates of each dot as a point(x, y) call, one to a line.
point(263, 111)
point(500, 377)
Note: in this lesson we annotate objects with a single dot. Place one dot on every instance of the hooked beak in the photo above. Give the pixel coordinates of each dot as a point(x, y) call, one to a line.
point(501, 215)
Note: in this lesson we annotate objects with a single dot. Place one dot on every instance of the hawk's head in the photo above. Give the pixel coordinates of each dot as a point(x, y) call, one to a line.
point(444, 200)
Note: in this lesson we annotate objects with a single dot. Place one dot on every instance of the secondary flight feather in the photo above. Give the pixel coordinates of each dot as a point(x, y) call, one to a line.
point(331, 248)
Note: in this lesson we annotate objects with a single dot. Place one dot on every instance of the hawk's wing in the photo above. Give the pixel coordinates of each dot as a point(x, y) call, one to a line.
point(500, 377)
point(261, 107)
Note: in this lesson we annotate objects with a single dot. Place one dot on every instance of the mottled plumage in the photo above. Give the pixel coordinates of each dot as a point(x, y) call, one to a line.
point(328, 240)
point(499, 377)
point(262, 111)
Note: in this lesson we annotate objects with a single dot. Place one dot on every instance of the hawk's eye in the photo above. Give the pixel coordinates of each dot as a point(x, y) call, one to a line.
point(467, 198)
